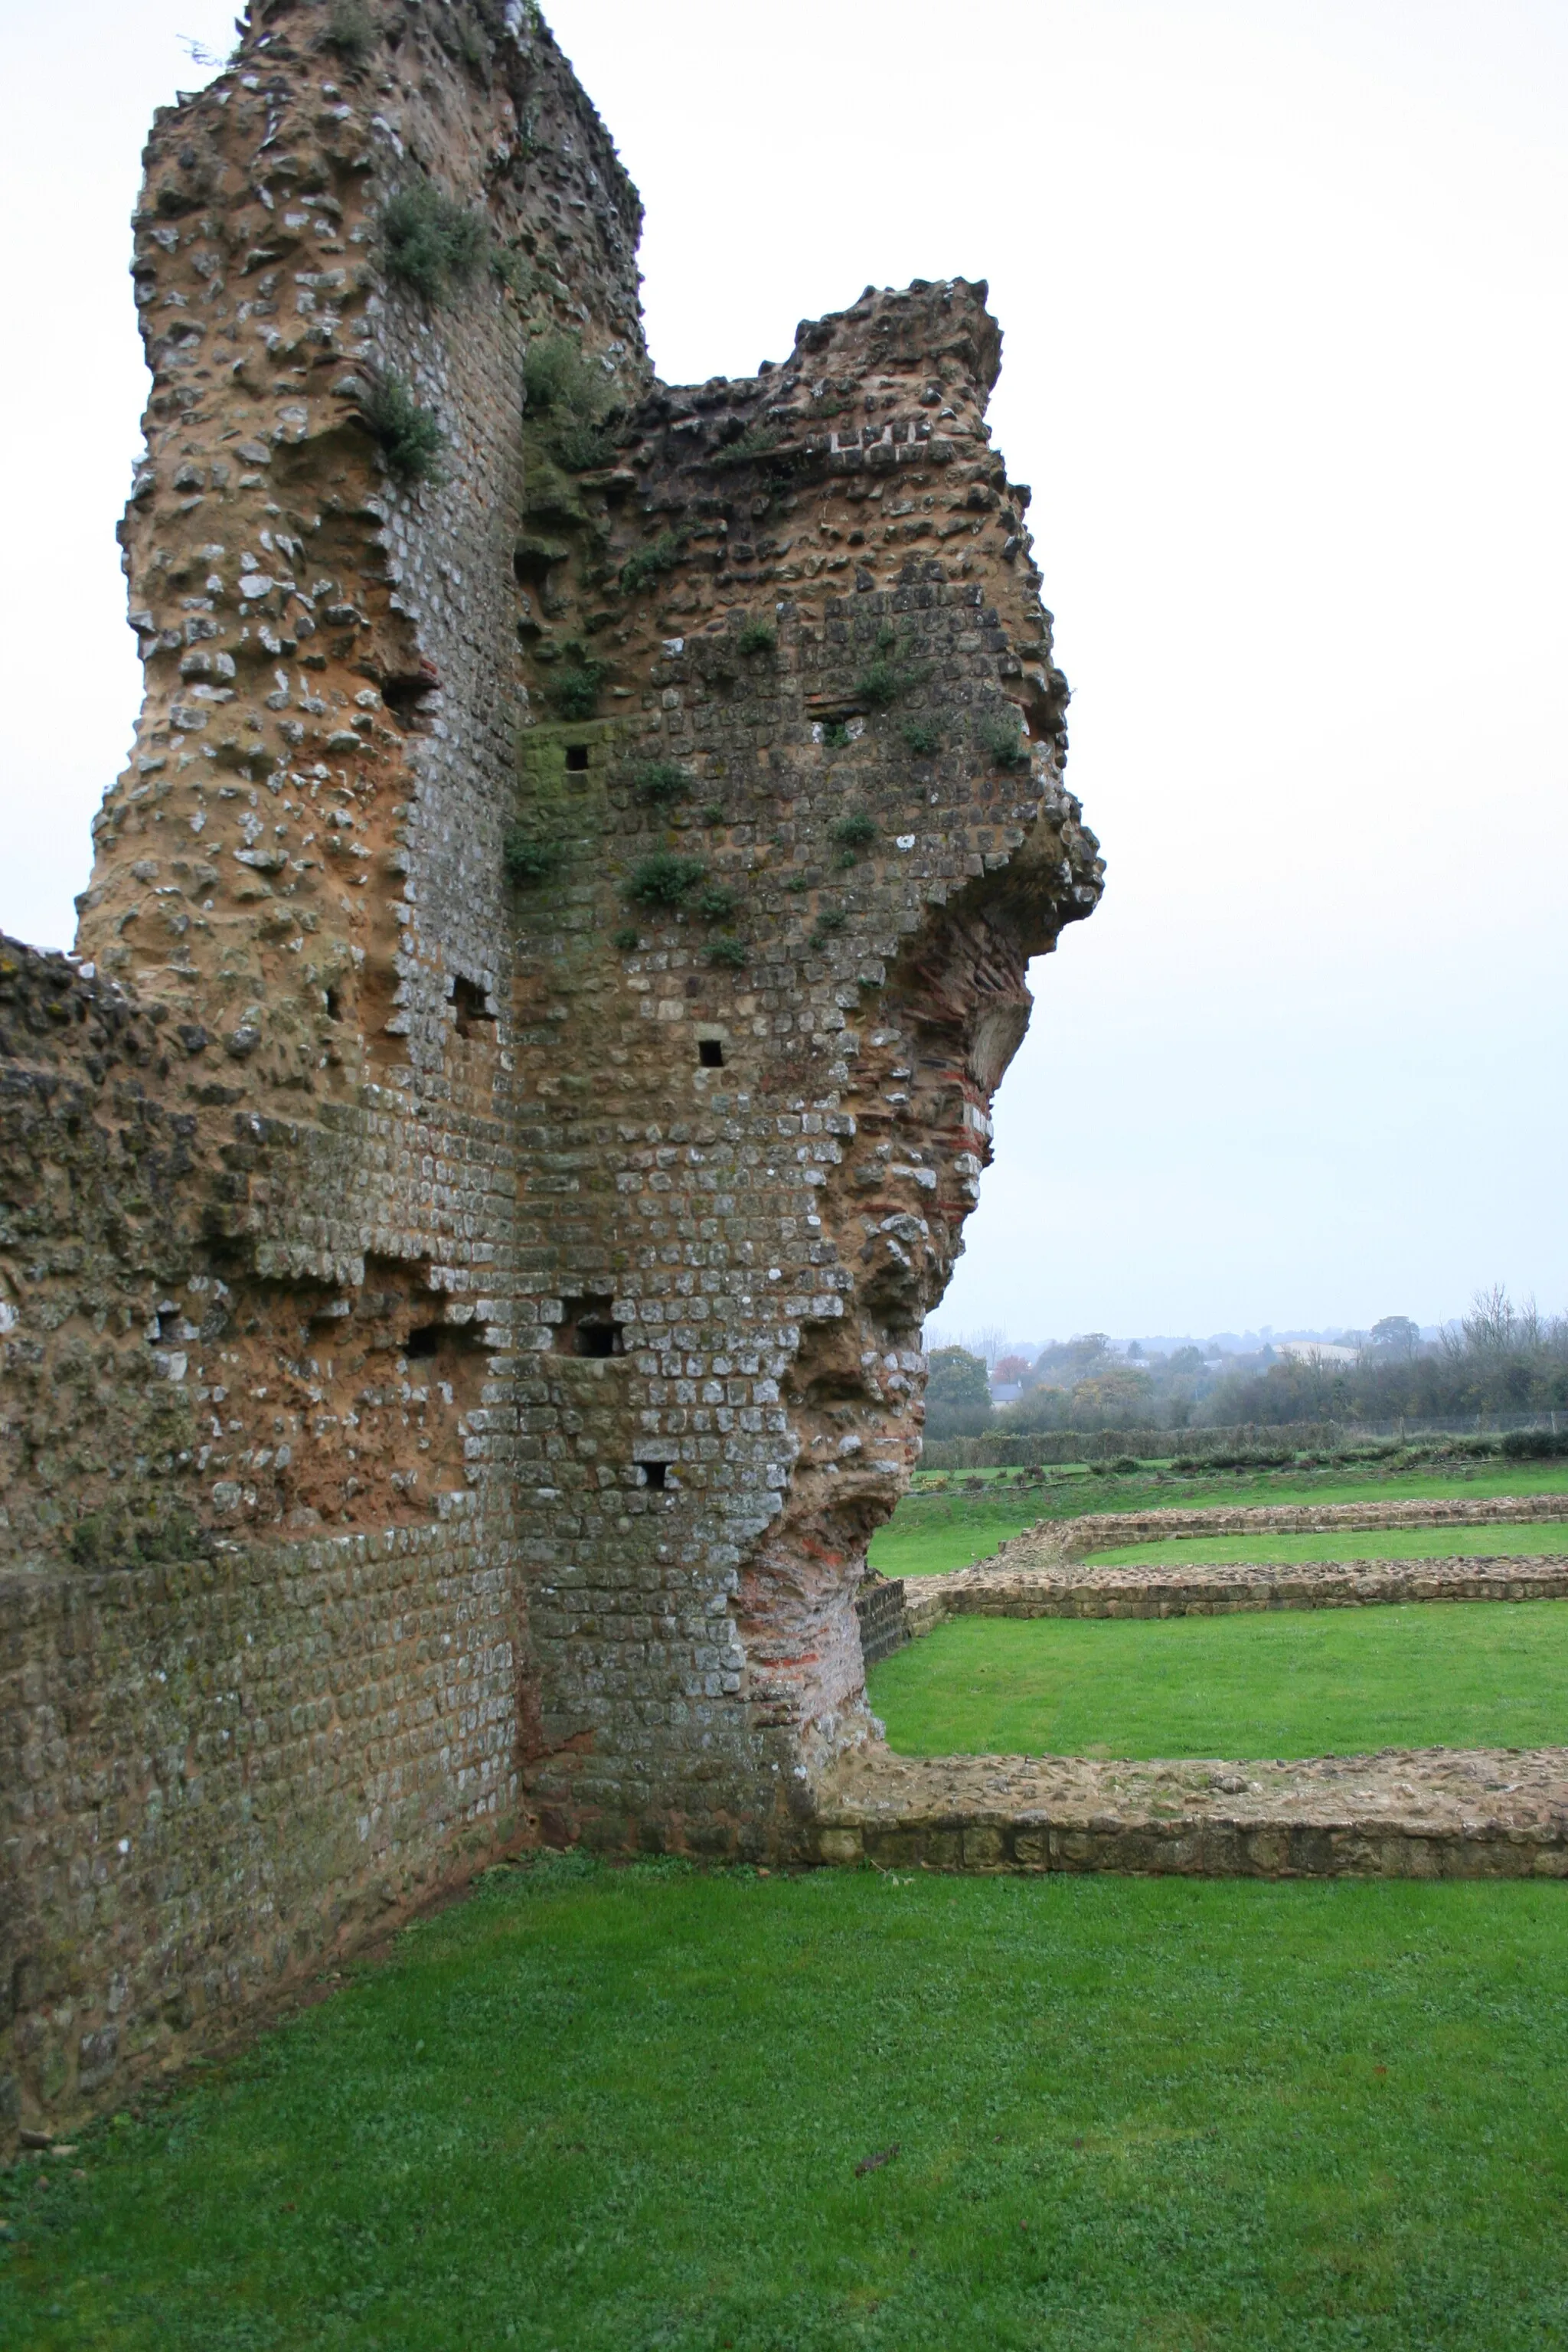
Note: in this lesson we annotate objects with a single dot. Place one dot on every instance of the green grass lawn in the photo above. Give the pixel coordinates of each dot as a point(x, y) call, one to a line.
point(932, 1531)
point(927, 1536)
point(1318, 1682)
point(1392, 1543)
point(638, 2111)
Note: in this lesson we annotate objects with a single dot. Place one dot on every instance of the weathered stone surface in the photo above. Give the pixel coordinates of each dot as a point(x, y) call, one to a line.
point(1403, 1813)
point(882, 1607)
point(461, 1323)
point(993, 1588)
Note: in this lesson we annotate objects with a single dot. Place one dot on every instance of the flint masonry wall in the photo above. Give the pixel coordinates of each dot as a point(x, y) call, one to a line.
point(462, 1325)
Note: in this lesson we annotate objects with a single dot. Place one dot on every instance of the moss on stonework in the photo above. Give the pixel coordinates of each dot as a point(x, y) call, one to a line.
point(120, 1535)
point(650, 563)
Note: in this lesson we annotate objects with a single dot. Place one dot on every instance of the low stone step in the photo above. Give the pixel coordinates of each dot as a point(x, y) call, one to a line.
point(1401, 1814)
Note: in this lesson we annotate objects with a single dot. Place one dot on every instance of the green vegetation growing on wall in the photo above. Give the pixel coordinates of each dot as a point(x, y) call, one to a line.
point(855, 830)
point(574, 687)
point(350, 32)
point(430, 242)
point(573, 397)
point(650, 563)
point(529, 860)
point(1003, 740)
point(409, 437)
point(885, 679)
point(665, 880)
point(660, 781)
point(757, 441)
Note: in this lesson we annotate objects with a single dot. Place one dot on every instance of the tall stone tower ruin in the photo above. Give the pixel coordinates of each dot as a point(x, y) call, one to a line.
point(468, 1214)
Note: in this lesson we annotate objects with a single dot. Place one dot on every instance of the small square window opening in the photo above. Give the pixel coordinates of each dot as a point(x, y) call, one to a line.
point(576, 758)
point(469, 1002)
point(588, 1327)
point(710, 1053)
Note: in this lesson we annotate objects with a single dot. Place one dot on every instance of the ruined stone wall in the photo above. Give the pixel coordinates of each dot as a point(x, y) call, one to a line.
point(824, 674)
point(467, 1218)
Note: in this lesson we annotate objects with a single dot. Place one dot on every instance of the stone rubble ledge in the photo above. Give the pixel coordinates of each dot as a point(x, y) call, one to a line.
point(1432, 1813)
point(1221, 1589)
point(1055, 1543)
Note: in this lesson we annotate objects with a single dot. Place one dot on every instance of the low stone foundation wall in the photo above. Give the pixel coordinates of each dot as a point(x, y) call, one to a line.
point(1403, 1813)
point(1214, 1591)
point(883, 1615)
point(1050, 1541)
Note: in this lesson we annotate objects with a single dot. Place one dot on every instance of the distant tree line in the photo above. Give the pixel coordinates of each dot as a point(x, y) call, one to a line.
point(1500, 1359)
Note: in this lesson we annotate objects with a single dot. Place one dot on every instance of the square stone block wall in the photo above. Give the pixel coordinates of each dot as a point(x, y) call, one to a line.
point(468, 1211)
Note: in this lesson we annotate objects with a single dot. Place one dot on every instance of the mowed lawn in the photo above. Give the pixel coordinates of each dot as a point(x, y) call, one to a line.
point(648, 2110)
point(1310, 1682)
point(934, 1529)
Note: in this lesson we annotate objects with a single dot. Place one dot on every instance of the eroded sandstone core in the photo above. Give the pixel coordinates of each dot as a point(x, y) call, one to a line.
point(468, 1217)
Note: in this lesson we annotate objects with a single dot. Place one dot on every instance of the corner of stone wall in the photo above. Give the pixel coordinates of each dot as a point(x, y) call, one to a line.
point(468, 1214)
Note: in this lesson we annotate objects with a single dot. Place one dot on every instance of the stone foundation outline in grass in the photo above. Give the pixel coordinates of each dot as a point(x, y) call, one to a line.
point(1052, 1542)
point(1405, 1814)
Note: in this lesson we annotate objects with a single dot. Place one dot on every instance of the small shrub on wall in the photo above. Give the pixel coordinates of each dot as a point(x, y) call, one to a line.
point(409, 437)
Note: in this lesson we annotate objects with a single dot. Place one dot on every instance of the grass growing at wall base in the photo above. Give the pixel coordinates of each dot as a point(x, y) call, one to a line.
point(1309, 1682)
point(654, 2111)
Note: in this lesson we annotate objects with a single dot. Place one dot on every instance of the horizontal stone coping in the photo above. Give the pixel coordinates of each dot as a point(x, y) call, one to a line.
point(1434, 1812)
point(1058, 1539)
point(1225, 1587)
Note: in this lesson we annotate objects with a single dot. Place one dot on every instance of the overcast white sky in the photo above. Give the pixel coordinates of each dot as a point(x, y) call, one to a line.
point(1282, 287)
